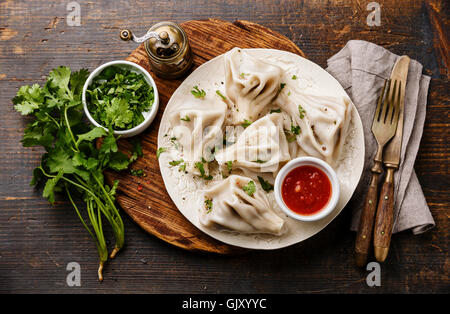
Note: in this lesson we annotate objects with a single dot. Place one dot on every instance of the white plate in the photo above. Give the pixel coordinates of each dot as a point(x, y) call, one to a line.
point(187, 192)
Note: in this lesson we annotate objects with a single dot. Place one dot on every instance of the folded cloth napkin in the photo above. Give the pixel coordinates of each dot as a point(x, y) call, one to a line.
point(361, 68)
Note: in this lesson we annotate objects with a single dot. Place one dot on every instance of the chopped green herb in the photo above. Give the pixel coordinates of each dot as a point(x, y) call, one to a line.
point(291, 138)
point(282, 85)
point(301, 111)
point(250, 188)
point(137, 172)
point(294, 77)
point(208, 205)
point(265, 185)
point(200, 167)
point(295, 129)
point(259, 161)
point(275, 110)
point(117, 97)
point(182, 167)
point(289, 93)
point(244, 74)
point(246, 123)
point(160, 151)
point(176, 162)
point(229, 165)
point(198, 93)
point(220, 94)
point(186, 118)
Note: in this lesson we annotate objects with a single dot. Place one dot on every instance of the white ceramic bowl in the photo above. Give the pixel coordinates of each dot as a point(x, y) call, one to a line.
point(329, 172)
point(148, 116)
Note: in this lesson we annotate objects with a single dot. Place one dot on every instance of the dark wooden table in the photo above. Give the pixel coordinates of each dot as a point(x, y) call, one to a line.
point(37, 240)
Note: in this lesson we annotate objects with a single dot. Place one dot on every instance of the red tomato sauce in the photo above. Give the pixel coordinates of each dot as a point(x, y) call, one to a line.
point(306, 190)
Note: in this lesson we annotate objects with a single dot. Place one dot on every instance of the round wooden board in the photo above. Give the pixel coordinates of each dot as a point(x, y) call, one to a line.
point(145, 199)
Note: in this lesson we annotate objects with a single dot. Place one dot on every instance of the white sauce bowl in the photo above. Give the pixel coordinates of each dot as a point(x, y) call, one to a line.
point(329, 172)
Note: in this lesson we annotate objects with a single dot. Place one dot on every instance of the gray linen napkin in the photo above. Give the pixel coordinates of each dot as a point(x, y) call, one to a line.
point(361, 68)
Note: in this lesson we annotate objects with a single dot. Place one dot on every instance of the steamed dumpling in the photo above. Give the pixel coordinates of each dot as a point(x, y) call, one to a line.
point(261, 147)
point(197, 128)
point(251, 84)
point(321, 121)
point(239, 204)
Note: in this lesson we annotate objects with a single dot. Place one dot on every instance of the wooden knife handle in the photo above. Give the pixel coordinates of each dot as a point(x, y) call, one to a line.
point(365, 229)
point(385, 218)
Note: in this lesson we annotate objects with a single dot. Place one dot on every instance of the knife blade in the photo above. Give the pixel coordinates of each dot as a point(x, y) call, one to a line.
point(384, 220)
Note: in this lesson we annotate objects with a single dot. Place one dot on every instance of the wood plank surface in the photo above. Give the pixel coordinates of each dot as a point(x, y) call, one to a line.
point(145, 198)
point(37, 240)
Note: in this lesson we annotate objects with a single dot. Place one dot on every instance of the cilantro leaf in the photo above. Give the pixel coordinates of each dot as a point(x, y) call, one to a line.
point(246, 123)
point(301, 111)
point(92, 134)
point(186, 118)
point(265, 185)
point(197, 92)
point(208, 205)
point(176, 162)
point(221, 95)
point(160, 151)
point(250, 188)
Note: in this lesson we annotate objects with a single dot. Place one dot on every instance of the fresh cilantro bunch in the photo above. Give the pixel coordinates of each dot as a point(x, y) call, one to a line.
point(71, 163)
point(117, 97)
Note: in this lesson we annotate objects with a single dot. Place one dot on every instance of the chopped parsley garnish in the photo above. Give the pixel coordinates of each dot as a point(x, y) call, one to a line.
point(176, 162)
point(197, 92)
point(117, 97)
point(246, 123)
point(200, 167)
point(265, 185)
point(186, 118)
point(291, 138)
point(160, 151)
point(250, 188)
point(295, 129)
point(282, 85)
point(220, 94)
point(301, 111)
point(275, 110)
point(137, 172)
point(208, 205)
point(294, 77)
point(244, 74)
point(259, 161)
point(229, 165)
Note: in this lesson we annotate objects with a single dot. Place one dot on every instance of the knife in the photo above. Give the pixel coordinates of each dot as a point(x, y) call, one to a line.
point(384, 220)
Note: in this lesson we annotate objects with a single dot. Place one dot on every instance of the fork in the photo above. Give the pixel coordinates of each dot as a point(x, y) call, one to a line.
point(384, 126)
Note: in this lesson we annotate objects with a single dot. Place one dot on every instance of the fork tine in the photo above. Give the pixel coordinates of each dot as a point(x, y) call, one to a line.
point(380, 101)
point(391, 103)
point(396, 110)
point(385, 103)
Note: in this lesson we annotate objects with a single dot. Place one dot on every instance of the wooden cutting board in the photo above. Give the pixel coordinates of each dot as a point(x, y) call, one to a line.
point(145, 199)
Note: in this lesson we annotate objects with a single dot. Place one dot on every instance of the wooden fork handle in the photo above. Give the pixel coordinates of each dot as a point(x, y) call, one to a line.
point(384, 220)
point(365, 229)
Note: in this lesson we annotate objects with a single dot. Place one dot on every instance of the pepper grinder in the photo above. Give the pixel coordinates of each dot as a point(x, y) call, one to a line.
point(167, 47)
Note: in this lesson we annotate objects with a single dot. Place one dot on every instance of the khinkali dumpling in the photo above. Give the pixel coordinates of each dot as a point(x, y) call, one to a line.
point(239, 204)
point(197, 130)
point(251, 84)
point(261, 147)
point(321, 122)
